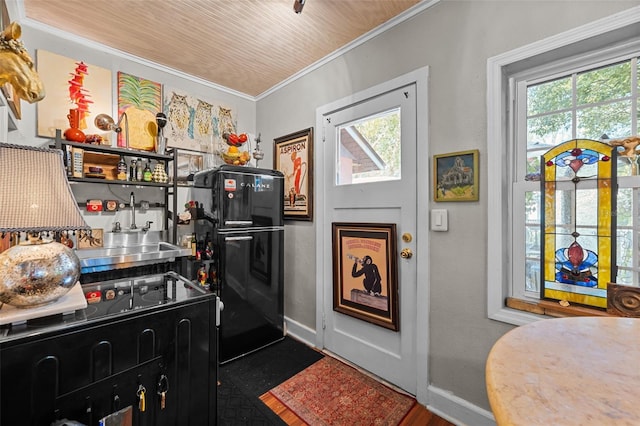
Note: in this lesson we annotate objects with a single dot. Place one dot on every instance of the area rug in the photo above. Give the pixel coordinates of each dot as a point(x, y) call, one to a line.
point(330, 392)
point(243, 380)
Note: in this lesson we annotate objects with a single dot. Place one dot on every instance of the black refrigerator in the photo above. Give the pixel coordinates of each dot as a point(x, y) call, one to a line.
point(242, 214)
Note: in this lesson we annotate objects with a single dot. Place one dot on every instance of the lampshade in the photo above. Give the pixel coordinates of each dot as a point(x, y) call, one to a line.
point(35, 194)
point(36, 197)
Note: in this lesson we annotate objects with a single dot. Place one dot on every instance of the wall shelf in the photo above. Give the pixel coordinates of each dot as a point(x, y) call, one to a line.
point(117, 151)
point(118, 182)
point(105, 155)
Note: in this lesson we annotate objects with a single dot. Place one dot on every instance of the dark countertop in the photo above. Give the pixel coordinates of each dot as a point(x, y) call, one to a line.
point(110, 301)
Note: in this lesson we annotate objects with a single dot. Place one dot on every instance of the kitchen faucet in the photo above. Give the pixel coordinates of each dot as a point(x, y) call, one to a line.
point(132, 203)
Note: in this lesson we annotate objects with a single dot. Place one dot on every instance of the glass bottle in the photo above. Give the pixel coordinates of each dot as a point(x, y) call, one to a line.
point(132, 170)
point(199, 250)
point(194, 244)
point(208, 249)
point(213, 277)
point(146, 174)
point(202, 275)
point(139, 170)
point(122, 169)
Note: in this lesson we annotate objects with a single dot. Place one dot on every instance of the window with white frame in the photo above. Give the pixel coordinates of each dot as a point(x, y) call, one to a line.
point(583, 87)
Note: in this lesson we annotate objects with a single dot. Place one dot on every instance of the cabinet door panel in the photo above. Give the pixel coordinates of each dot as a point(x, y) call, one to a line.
point(98, 361)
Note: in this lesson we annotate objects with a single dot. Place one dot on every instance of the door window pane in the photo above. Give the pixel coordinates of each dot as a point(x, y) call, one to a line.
point(369, 149)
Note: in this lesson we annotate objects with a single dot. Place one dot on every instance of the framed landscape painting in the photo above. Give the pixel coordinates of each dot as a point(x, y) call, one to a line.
point(455, 176)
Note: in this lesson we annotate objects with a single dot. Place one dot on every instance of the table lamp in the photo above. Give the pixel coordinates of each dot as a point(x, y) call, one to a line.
point(35, 198)
point(106, 123)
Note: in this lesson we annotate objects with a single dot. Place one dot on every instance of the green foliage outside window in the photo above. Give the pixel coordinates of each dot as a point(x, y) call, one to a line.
point(602, 106)
point(383, 134)
point(587, 105)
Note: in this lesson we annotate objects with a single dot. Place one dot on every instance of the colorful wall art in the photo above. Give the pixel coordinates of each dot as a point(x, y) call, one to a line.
point(141, 99)
point(72, 83)
point(293, 156)
point(195, 124)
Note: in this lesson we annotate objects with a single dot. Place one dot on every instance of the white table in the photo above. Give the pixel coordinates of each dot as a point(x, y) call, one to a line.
point(567, 371)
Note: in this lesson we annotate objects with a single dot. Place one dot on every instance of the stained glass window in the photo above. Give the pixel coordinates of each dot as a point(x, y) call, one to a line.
point(578, 224)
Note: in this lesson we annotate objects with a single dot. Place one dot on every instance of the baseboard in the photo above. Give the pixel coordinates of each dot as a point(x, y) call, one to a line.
point(457, 410)
point(446, 405)
point(300, 332)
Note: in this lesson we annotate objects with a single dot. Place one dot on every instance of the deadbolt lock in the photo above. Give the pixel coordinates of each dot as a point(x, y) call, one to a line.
point(406, 237)
point(406, 253)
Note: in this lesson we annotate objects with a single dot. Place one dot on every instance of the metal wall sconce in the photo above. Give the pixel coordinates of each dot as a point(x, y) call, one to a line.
point(106, 123)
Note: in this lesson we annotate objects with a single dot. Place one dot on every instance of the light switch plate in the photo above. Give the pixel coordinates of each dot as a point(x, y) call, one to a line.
point(439, 221)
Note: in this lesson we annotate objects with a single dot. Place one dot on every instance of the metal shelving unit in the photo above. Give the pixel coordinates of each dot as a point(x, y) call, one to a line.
point(170, 157)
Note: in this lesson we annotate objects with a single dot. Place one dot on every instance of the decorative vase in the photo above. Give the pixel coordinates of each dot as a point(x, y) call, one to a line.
point(73, 133)
point(37, 273)
point(159, 174)
point(161, 144)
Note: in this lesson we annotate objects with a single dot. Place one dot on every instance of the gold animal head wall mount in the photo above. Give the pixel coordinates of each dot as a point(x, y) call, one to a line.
point(17, 67)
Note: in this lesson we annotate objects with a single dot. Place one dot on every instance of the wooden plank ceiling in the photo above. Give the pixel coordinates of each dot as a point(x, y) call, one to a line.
point(245, 45)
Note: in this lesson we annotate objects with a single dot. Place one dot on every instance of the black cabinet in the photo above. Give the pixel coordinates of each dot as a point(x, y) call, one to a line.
point(83, 367)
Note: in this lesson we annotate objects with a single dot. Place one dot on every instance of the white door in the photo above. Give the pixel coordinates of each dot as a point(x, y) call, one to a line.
point(359, 140)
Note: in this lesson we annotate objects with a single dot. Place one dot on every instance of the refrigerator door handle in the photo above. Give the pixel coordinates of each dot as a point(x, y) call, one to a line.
point(238, 223)
point(219, 308)
point(248, 237)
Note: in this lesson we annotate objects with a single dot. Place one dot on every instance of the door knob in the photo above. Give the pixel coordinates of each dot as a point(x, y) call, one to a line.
point(406, 253)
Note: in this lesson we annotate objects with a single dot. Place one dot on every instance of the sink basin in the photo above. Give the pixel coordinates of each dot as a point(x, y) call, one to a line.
point(127, 256)
point(131, 250)
point(133, 238)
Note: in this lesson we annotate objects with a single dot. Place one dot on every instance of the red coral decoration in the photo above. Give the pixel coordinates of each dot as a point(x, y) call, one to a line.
point(78, 94)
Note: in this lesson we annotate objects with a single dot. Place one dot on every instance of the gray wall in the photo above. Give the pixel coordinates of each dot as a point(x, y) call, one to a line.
point(36, 37)
point(455, 39)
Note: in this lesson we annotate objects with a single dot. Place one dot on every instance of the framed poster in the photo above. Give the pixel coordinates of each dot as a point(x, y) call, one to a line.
point(455, 176)
point(365, 274)
point(293, 156)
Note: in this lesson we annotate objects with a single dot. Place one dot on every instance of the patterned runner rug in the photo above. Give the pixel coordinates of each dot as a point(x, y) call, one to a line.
point(330, 392)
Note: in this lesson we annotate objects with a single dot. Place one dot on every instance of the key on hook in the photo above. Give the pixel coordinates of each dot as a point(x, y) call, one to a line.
point(163, 388)
point(142, 403)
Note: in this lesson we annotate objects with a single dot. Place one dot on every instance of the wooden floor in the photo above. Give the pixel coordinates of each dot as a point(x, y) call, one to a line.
point(417, 416)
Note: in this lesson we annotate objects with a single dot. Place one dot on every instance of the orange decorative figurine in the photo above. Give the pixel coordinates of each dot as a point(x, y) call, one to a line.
point(73, 133)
